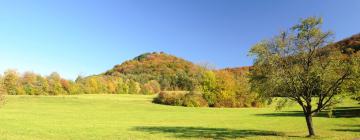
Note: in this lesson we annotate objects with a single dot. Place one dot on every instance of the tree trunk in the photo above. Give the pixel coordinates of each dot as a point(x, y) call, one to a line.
point(309, 124)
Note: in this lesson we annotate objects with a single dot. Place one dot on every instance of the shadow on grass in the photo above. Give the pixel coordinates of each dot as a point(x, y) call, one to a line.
point(349, 128)
point(212, 133)
point(340, 112)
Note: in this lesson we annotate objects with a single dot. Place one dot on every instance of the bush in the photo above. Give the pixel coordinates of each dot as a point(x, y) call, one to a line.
point(170, 98)
point(181, 99)
point(194, 100)
point(225, 102)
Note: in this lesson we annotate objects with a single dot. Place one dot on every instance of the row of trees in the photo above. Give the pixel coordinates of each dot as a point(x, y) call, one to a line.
point(222, 88)
point(29, 83)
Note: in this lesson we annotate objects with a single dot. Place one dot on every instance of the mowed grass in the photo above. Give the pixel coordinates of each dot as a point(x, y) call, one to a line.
point(93, 117)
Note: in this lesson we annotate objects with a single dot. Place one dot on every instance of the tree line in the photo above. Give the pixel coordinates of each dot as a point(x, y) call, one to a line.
point(29, 83)
point(216, 88)
point(213, 88)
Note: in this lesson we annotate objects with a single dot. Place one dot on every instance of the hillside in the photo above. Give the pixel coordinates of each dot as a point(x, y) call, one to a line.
point(351, 42)
point(238, 71)
point(173, 73)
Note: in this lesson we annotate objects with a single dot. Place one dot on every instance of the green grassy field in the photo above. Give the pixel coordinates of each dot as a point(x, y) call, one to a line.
point(135, 117)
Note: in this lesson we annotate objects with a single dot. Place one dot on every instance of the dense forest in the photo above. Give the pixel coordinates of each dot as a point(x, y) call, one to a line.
point(178, 82)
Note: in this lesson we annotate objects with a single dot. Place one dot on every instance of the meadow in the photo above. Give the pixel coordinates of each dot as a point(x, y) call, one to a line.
point(94, 117)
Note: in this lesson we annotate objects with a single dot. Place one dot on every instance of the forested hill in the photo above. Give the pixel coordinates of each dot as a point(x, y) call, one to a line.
point(352, 42)
point(172, 73)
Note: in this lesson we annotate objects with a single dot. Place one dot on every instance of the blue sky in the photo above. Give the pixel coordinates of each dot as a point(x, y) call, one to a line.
point(87, 37)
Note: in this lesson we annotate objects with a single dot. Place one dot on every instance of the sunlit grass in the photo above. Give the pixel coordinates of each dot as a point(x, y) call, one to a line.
point(135, 117)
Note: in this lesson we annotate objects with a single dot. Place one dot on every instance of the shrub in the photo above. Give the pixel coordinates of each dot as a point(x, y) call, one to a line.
point(194, 100)
point(170, 98)
point(181, 99)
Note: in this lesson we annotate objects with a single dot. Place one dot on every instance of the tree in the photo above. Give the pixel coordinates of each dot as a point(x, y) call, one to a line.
point(208, 86)
point(55, 87)
point(66, 85)
point(134, 87)
point(183, 81)
point(42, 86)
point(2, 90)
point(155, 86)
point(111, 86)
point(225, 89)
point(11, 78)
point(353, 86)
point(29, 81)
point(297, 65)
point(121, 86)
point(90, 85)
point(151, 87)
point(219, 88)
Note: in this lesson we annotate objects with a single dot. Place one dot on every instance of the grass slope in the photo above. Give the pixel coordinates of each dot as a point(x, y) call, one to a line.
point(135, 117)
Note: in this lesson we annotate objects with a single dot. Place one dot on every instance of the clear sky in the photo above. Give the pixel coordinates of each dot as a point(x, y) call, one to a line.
point(90, 36)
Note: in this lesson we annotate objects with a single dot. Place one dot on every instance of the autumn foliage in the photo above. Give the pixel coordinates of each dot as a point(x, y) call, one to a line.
point(172, 73)
point(153, 73)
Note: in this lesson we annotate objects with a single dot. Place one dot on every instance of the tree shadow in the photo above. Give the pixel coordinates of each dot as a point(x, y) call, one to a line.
point(340, 112)
point(201, 132)
point(349, 128)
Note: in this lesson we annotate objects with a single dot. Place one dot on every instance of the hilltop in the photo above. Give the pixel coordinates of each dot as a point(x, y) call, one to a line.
point(173, 73)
